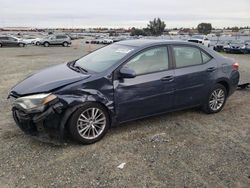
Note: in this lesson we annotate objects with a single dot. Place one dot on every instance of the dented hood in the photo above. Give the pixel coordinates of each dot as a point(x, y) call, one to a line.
point(48, 79)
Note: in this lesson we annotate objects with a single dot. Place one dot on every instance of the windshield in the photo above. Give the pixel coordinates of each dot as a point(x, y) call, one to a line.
point(104, 58)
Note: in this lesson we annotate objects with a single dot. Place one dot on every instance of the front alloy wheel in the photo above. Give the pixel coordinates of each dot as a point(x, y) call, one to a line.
point(89, 123)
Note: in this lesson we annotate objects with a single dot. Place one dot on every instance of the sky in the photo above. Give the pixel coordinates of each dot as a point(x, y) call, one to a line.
point(122, 13)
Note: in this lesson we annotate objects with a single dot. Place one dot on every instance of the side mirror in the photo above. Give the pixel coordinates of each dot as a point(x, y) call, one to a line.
point(126, 72)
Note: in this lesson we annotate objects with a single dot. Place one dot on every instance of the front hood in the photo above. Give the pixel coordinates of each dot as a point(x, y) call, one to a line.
point(47, 80)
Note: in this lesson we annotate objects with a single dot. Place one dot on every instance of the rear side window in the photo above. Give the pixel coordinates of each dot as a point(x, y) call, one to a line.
point(3, 38)
point(61, 37)
point(152, 60)
point(206, 58)
point(187, 56)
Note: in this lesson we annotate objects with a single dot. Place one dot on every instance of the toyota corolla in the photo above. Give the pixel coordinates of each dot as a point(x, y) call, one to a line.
point(122, 82)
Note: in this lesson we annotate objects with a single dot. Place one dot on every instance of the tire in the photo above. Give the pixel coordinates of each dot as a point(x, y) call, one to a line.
point(38, 43)
point(46, 44)
point(21, 45)
point(65, 44)
point(216, 99)
point(1, 45)
point(82, 127)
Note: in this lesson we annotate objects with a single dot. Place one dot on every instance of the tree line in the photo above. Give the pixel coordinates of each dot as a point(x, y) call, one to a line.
point(156, 27)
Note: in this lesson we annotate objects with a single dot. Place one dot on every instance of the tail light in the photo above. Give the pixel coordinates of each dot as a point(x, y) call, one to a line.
point(235, 66)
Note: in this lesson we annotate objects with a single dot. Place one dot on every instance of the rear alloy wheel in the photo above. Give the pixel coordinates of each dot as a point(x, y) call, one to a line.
point(38, 43)
point(46, 44)
point(216, 100)
point(89, 123)
point(65, 44)
point(21, 45)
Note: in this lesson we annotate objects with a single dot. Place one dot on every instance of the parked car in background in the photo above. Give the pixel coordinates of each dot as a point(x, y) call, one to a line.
point(220, 45)
point(246, 48)
point(107, 41)
point(11, 41)
point(29, 40)
point(37, 41)
point(236, 46)
point(122, 82)
point(61, 39)
point(200, 39)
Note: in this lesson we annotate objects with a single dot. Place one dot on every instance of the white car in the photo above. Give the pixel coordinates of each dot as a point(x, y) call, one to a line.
point(37, 41)
point(201, 39)
point(107, 41)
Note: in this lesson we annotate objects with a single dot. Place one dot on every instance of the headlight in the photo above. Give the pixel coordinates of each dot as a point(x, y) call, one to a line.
point(243, 47)
point(34, 102)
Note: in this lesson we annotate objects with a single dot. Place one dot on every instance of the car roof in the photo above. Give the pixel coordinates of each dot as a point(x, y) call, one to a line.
point(149, 42)
point(144, 43)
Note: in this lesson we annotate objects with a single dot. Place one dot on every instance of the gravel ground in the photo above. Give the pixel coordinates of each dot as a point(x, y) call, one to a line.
point(181, 149)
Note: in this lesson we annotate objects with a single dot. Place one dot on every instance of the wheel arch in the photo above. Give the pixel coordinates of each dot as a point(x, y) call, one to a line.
point(78, 104)
point(225, 83)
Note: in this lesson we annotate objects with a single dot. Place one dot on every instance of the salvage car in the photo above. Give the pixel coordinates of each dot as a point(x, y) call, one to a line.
point(200, 39)
point(236, 46)
point(59, 39)
point(11, 41)
point(220, 45)
point(246, 47)
point(122, 82)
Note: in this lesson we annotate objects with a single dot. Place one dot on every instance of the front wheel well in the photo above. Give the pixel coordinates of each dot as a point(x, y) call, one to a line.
point(72, 110)
point(226, 85)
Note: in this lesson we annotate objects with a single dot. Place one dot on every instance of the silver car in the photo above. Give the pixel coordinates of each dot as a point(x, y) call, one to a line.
point(11, 41)
point(63, 40)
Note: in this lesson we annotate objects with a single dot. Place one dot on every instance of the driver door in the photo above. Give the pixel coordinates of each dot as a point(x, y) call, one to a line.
point(151, 91)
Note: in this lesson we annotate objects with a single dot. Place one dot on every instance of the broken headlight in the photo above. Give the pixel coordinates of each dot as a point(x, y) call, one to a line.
point(34, 103)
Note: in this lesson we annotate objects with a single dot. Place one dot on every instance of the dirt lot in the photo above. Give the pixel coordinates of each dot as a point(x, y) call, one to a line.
point(181, 149)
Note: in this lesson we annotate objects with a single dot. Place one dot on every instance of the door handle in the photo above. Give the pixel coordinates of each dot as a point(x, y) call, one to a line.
point(168, 79)
point(211, 69)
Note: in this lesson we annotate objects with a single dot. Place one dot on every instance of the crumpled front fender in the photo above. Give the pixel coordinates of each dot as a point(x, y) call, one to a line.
point(73, 101)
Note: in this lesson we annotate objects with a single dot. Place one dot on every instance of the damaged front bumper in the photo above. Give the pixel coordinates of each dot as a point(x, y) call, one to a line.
point(44, 126)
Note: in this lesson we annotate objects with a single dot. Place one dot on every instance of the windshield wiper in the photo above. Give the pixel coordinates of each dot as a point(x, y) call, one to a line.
point(76, 68)
point(80, 68)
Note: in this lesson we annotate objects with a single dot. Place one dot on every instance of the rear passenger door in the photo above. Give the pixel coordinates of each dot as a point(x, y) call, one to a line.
point(194, 73)
point(53, 40)
point(60, 39)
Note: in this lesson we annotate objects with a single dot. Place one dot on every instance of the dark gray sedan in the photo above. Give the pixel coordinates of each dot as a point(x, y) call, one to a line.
point(122, 82)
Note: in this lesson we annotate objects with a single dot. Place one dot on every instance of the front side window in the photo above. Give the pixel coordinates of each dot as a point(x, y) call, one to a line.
point(149, 61)
point(187, 56)
point(104, 58)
